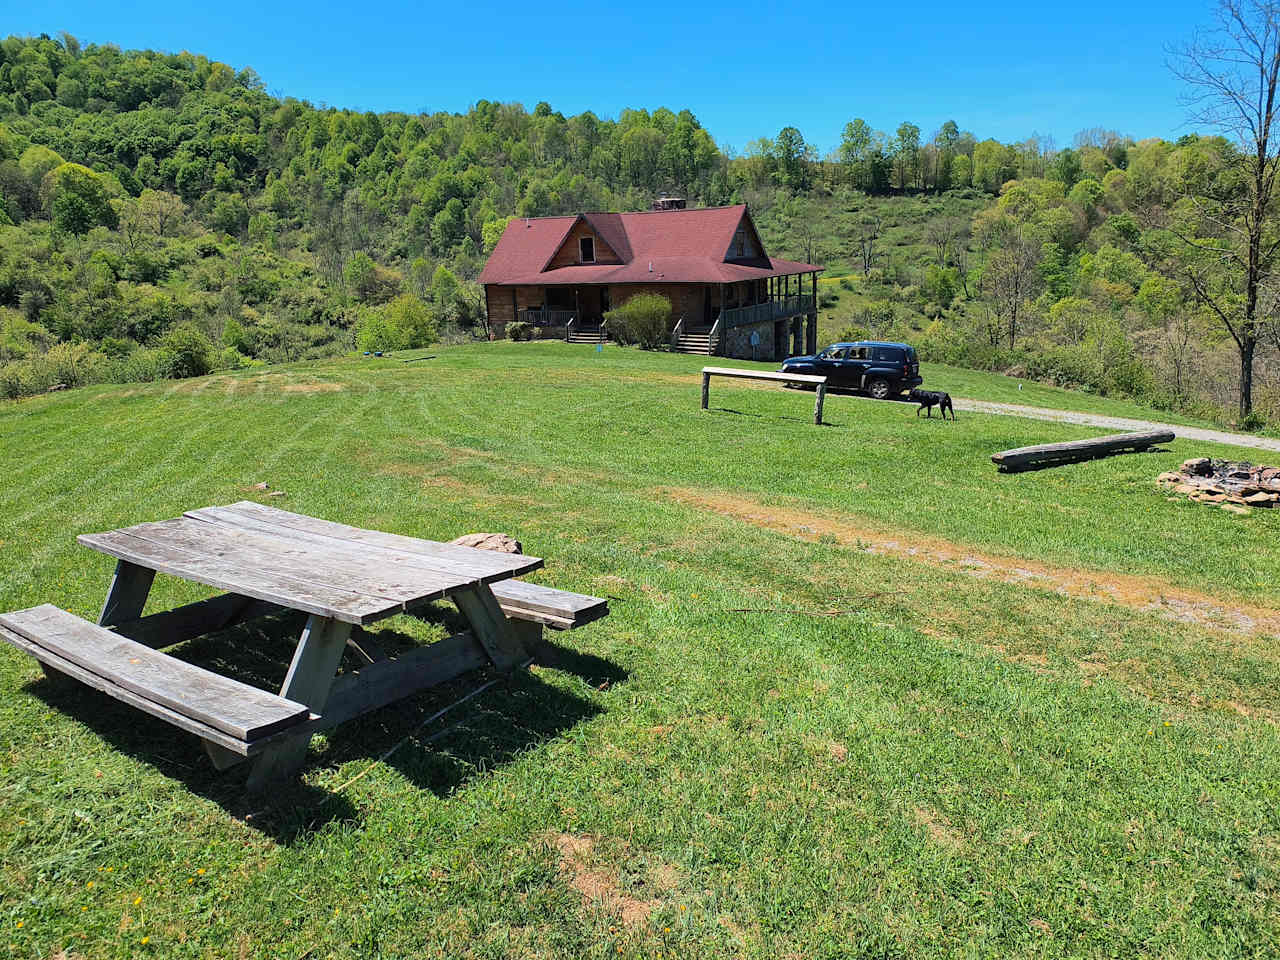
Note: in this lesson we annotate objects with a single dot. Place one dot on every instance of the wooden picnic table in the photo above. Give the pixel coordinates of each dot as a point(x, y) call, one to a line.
point(270, 560)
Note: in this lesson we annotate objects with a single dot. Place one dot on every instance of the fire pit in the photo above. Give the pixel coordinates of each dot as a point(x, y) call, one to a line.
point(1230, 484)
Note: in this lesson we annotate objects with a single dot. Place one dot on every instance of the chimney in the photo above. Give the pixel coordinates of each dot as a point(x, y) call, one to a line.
point(669, 203)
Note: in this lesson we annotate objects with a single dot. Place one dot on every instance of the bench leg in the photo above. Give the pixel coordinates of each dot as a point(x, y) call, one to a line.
point(491, 626)
point(310, 676)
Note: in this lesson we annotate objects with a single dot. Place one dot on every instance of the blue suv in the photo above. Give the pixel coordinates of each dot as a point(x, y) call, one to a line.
point(876, 367)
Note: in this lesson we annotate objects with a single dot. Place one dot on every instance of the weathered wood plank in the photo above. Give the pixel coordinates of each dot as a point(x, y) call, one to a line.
point(269, 585)
point(489, 624)
point(333, 564)
point(127, 595)
point(1077, 450)
point(516, 597)
point(237, 709)
point(817, 404)
point(70, 671)
point(476, 564)
point(383, 683)
point(169, 627)
point(309, 680)
point(762, 375)
point(487, 564)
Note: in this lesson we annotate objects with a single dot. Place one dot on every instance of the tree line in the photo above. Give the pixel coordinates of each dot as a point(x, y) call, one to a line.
point(143, 191)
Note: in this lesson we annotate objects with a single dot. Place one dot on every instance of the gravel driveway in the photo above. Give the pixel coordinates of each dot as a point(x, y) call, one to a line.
point(1117, 423)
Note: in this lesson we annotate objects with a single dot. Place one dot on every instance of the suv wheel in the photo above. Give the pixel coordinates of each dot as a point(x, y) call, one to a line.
point(879, 388)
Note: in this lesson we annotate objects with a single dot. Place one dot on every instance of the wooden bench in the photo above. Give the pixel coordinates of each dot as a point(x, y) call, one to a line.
point(777, 377)
point(235, 716)
point(1052, 454)
point(557, 609)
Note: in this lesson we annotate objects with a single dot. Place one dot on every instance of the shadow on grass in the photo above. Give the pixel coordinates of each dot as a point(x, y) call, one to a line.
point(517, 714)
point(770, 416)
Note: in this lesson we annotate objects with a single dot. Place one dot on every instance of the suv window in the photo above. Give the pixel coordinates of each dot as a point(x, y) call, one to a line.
point(889, 354)
point(834, 353)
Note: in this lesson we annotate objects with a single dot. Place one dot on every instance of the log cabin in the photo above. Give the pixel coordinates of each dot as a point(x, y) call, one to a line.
point(728, 296)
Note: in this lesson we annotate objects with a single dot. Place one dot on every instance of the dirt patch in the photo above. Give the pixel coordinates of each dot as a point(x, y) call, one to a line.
point(598, 885)
point(939, 828)
point(320, 387)
point(1135, 592)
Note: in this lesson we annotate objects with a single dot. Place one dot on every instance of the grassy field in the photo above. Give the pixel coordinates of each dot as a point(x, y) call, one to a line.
point(859, 696)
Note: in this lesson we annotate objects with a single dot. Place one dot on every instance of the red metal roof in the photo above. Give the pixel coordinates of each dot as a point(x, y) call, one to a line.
point(664, 246)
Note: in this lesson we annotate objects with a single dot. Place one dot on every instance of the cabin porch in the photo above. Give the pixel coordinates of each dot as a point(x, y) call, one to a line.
point(766, 319)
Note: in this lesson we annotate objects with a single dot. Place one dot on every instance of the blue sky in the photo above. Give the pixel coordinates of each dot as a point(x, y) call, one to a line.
point(745, 69)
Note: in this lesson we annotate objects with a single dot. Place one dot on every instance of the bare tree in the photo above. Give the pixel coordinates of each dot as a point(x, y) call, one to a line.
point(867, 233)
point(1232, 71)
point(943, 232)
point(1012, 275)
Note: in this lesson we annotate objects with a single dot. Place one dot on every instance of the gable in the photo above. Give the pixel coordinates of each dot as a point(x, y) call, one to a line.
point(745, 244)
point(569, 253)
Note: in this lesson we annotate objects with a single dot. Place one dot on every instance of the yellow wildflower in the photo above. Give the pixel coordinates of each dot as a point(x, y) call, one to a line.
point(136, 901)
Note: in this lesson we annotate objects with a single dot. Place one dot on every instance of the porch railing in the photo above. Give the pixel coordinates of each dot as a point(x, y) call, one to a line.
point(716, 335)
point(677, 331)
point(769, 310)
point(548, 318)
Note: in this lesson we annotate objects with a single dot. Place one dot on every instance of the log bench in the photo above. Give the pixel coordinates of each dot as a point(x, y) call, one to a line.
point(1052, 454)
point(804, 379)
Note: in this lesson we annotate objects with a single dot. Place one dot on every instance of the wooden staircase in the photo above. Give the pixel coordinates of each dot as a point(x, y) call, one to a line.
point(581, 333)
point(693, 340)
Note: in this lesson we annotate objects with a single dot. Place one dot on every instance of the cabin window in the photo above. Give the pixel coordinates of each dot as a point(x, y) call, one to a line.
point(587, 249)
point(740, 244)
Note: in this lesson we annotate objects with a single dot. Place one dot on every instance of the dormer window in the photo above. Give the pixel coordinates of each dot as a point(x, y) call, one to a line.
point(587, 250)
point(739, 244)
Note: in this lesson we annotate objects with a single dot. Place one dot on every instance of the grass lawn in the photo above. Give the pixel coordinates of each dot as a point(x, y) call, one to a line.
point(860, 695)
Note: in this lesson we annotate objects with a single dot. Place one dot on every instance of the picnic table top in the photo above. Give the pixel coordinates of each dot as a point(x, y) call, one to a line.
point(304, 563)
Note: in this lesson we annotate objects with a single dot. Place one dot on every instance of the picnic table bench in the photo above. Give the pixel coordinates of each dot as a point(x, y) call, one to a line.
point(269, 561)
point(778, 377)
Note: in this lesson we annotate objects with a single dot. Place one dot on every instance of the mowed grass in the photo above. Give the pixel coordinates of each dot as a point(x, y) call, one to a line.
point(828, 716)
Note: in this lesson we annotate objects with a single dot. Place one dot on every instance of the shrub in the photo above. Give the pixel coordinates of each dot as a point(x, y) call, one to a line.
point(415, 322)
point(375, 333)
point(189, 349)
point(644, 320)
point(143, 365)
point(70, 364)
point(520, 330)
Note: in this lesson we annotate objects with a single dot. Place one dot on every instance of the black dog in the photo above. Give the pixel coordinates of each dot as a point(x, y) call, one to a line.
point(928, 399)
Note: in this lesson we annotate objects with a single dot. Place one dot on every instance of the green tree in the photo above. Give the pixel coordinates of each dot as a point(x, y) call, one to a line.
point(80, 200)
point(792, 155)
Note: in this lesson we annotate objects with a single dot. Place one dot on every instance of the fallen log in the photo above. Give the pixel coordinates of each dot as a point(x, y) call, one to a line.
point(1053, 454)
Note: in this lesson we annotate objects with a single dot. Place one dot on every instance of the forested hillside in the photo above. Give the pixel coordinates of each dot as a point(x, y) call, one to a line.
point(163, 216)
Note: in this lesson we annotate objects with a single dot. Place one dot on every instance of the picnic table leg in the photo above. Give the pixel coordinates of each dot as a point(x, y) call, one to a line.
point(817, 404)
point(491, 626)
point(310, 676)
point(127, 595)
point(706, 389)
